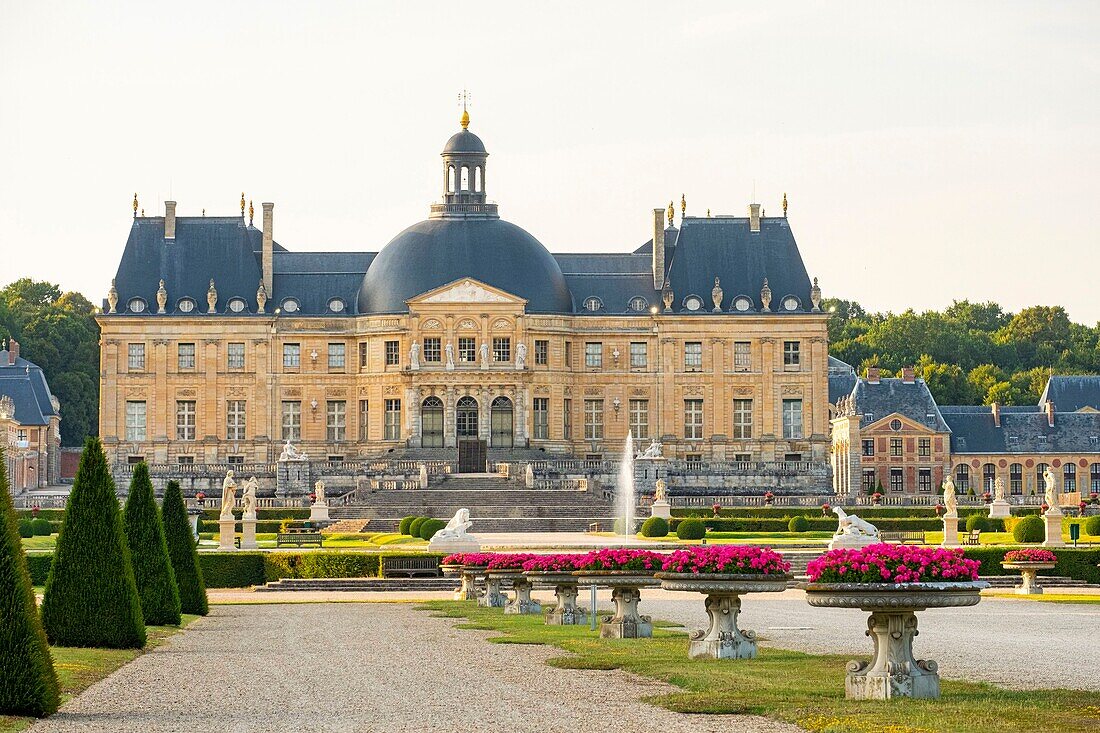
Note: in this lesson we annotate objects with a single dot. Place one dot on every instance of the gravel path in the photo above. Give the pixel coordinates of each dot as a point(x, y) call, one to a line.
point(363, 667)
point(1014, 643)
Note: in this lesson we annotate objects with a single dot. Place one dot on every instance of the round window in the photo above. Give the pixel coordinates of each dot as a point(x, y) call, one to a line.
point(742, 304)
point(136, 305)
point(336, 305)
point(638, 304)
point(290, 305)
point(236, 305)
point(693, 302)
point(790, 303)
point(186, 305)
point(593, 304)
point(895, 424)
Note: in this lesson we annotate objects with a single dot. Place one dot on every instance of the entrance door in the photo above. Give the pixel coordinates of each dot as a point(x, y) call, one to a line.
point(471, 455)
point(431, 423)
point(501, 422)
point(466, 418)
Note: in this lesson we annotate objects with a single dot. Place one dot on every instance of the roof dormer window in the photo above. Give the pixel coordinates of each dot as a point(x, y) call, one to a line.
point(791, 303)
point(742, 304)
point(236, 305)
point(290, 305)
point(336, 305)
point(136, 305)
point(186, 305)
point(693, 302)
point(638, 304)
point(593, 304)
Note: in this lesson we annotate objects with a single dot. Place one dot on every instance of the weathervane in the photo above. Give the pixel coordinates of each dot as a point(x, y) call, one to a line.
point(466, 100)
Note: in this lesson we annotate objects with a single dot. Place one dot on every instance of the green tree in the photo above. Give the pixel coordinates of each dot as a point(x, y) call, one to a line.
point(156, 581)
point(28, 682)
point(947, 382)
point(983, 378)
point(91, 598)
point(182, 552)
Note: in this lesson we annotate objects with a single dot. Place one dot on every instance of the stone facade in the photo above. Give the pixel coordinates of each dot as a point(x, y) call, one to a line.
point(30, 423)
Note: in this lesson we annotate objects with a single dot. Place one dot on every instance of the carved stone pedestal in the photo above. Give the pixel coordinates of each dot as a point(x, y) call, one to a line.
point(566, 612)
point(893, 670)
point(492, 598)
point(1029, 585)
point(1052, 521)
point(951, 529)
point(626, 587)
point(660, 509)
point(226, 537)
point(467, 589)
point(999, 509)
point(521, 601)
point(318, 512)
point(248, 534)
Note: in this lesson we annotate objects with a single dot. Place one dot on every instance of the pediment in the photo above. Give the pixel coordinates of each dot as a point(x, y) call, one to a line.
point(882, 425)
point(466, 290)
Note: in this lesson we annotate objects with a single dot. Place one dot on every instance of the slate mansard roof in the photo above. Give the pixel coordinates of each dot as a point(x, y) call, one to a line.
point(26, 385)
point(1023, 430)
point(912, 400)
point(1071, 394)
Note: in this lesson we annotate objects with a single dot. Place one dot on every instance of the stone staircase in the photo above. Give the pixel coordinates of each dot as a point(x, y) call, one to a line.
point(1046, 581)
point(496, 504)
point(347, 526)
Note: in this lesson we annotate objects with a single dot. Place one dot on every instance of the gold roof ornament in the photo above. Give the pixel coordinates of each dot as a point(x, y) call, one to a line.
point(242, 204)
point(683, 206)
point(135, 205)
point(784, 204)
point(464, 97)
point(708, 213)
point(143, 213)
point(671, 213)
point(251, 212)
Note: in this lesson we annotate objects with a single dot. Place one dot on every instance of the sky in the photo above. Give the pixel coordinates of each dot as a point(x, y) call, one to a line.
point(929, 151)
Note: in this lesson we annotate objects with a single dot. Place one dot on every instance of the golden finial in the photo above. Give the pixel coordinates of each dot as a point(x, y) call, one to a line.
point(242, 204)
point(708, 213)
point(784, 204)
point(143, 213)
point(135, 205)
point(464, 97)
point(683, 206)
point(671, 213)
point(251, 212)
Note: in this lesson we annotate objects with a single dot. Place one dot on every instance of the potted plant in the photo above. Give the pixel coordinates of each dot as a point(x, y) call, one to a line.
point(893, 583)
point(940, 508)
point(200, 497)
point(466, 566)
point(1094, 498)
point(987, 497)
point(557, 570)
point(1043, 508)
point(826, 508)
point(717, 509)
point(510, 567)
point(1029, 562)
point(626, 572)
point(769, 497)
point(876, 498)
point(724, 573)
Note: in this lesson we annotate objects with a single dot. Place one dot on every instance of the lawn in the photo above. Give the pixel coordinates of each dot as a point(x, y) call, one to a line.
point(1051, 597)
point(358, 540)
point(40, 543)
point(748, 538)
point(78, 669)
point(804, 689)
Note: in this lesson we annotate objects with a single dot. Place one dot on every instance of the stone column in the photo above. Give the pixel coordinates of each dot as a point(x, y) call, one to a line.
point(951, 530)
point(450, 422)
point(1052, 522)
point(412, 417)
point(248, 534)
point(894, 671)
point(769, 396)
point(225, 535)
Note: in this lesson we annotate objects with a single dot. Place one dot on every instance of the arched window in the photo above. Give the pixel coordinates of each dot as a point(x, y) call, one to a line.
point(989, 475)
point(501, 421)
point(136, 305)
point(477, 179)
point(593, 304)
point(1069, 478)
point(465, 178)
point(450, 179)
point(962, 477)
point(431, 422)
point(466, 417)
point(638, 303)
point(1016, 479)
point(236, 305)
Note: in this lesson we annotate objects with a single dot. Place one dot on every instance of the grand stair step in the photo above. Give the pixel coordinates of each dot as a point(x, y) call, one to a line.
point(360, 584)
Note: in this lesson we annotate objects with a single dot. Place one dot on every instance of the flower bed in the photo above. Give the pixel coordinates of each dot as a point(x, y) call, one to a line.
point(727, 559)
point(512, 561)
point(473, 559)
point(557, 563)
point(640, 561)
point(1030, 555)
point(884, 563)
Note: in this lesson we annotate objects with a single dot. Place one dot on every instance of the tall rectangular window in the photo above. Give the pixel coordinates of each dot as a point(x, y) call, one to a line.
point(234, 355)
point(593, 419)
point(502, 348)
point(135, 421)
point(542, 417)
point(742, 356)
point(868, 480)
point(639, 355)
point(568, 354)
point(693, 419)
point(593, 355)
point(364, 422)
point(693, 356)
point(895, 447)
point(897, 480)
point(924, 447)
point(542, 352)
point(639, 419)
point(393, 353)
point(292, 420)
point(393, 420)
point(742, 419)
point(792, 356)
point(234, 420)
point(467, 349)
point(135, 357)
point(337, 357)
point(185, 357)
point(185, 420)
point(924, 480)
point(364, 355)
point(567, 419)
point(868, 446)
point(792, 419)
point(433, 349)
point(292, 356)
point(337, 423)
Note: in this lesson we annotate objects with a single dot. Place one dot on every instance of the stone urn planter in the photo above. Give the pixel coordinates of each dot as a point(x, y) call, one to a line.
point(492, 597)
point(722, 639)
point(1029, 562)
point(626, 591)
point(566, 612)
point(467, 590)
point(521, 601)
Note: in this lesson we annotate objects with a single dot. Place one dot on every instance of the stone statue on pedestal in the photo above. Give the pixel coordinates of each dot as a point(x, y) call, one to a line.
point(414, 356)
point(248, 498)
point(521, 356)
point(950, 502)
point(290, 453)
point(454, 537)
point(652, 451)
point(1050, 495)
point(450, 356)
point(852, 531)
point(660, 491)
point(319, 493)
point(229, 495)
point(483, 351)
point(999, 489)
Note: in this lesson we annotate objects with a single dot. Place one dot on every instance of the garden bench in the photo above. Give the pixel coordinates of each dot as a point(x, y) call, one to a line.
point(410, 567)
point(973, 538)
point(298, 539)
point(903, 536)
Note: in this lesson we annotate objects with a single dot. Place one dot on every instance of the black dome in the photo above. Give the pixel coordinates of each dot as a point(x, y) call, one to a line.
point(439, 251)
point(464, 142)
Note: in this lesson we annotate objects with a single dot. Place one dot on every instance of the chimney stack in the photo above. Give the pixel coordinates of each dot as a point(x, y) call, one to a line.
point(13, 351)
point(996, 409)
point(872, 375)
point(658, 249)
point(269, 249)
point(169, 219)
point(754, 218)
point(908, 375)
point(1049, 407)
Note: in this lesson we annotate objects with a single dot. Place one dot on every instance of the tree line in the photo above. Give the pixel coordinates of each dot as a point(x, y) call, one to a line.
point(969, 353)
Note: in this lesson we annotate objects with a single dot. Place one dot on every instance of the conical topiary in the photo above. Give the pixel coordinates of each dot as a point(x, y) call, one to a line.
point(156, 582)
point(91, 598)
point(28, 683)
point(182, 551)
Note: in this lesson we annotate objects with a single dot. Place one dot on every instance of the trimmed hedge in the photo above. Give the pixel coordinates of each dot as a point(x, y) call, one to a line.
point(430, 527)
point(41, 527)
point(798, 524)
point(1091, 526)
point(232, 569)
point(91, 598)
point(38, 564)
point(321, 565)
point(182, 552)
point(822, 524)
point(976, 522)
point(868, 512)
point(26, 529)
point(1078, 563)
point(153, 573)
point(28, 682)
point(655, 527)
point(1029, 529)
point(414, 526)
point(270, 515)
point(405, 526)
point(691, 529)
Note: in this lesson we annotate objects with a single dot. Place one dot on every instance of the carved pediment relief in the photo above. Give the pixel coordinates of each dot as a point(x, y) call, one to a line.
point(466, 290)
